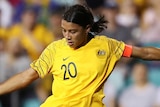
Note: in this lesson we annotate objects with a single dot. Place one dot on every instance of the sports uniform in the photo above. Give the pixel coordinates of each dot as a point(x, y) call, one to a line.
point(78, 74)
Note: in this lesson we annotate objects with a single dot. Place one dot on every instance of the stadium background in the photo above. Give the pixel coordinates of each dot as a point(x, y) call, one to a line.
point(28, 26)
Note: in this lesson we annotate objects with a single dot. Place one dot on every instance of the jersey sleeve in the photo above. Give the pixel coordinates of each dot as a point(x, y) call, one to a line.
point(44, 63)
point(116, 48)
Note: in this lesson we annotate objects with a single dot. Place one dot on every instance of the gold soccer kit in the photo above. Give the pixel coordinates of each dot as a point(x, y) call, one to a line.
point(78, 74)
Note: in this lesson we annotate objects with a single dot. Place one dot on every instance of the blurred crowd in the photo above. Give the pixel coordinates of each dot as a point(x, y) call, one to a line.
point(28, 26)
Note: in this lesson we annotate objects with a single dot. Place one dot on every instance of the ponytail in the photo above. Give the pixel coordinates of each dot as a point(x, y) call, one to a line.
point(99, 25)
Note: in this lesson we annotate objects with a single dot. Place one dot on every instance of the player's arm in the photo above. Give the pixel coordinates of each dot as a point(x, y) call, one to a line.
point(146, 53)
point(18, 81)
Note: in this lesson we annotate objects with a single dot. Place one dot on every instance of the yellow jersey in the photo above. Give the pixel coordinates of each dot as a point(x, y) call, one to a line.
point(78, 74)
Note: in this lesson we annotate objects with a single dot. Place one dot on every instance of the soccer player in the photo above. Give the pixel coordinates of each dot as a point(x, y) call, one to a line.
point(80, 62)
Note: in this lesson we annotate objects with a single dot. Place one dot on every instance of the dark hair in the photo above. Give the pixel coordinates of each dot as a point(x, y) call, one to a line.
point(82, 16)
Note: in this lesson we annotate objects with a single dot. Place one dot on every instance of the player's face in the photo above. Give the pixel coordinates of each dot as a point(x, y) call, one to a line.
point(76, 36)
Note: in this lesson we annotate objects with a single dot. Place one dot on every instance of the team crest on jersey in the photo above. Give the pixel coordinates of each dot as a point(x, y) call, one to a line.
point(101, 52)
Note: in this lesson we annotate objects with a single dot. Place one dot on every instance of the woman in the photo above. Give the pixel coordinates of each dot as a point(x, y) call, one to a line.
point(80, 63)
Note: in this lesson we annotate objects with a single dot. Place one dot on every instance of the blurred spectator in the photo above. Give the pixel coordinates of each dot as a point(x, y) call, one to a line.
point(33, 37)
point(15, 2)
point(55, 22)
point(20, 8)
point(141, 93)
point(41, 7)
point(157, 101)
point(115, 83)
point(44, 87)
point(2, 45)
point(114, 29)
point(3, 35)
point(109, 9)
point(140, 5)
point(128, 15)
point(110, 95)
point(118, 75)
point(15, 57)
point(14, 61)
point(5, 13)
point(150, 24)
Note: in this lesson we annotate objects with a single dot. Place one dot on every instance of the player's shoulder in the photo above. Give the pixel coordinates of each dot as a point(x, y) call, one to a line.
point(105, 38)
point(102, 38)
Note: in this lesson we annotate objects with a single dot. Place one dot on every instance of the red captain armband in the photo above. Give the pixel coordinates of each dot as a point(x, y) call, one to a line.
point(127, 51)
